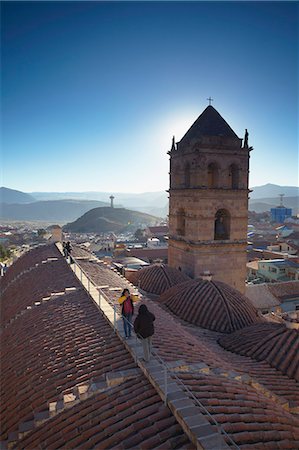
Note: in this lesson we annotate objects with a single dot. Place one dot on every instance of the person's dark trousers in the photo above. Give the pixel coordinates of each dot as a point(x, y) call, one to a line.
point(127, 319)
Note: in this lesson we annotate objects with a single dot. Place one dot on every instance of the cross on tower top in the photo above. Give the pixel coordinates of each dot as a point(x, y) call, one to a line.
point(210, 100)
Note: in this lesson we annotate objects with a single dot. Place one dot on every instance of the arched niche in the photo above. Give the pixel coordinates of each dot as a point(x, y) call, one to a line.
point(213, 175)
point(222, 225)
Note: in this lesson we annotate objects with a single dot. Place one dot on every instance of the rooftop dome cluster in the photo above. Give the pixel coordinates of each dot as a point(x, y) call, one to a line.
point(210, 304)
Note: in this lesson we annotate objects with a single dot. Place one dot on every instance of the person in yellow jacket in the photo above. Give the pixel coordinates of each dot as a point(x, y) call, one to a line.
point(126, 300)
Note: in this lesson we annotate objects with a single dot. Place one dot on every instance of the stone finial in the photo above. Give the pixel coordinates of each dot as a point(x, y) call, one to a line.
point(206, 275)
point(246, 139)
point(173, 147)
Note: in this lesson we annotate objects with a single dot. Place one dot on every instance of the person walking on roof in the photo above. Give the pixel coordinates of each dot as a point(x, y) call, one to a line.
point(144, 328)
point(126, 300)
point(64, 249)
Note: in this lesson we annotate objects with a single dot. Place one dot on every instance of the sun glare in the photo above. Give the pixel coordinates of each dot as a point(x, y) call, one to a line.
point(174, 124)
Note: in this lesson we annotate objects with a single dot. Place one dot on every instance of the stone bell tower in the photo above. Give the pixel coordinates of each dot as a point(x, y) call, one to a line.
point(208, 201)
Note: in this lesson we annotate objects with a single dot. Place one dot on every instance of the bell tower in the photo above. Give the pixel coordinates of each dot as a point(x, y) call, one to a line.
point(208, 201)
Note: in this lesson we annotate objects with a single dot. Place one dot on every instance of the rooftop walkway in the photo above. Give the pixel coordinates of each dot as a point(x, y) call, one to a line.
point(187, 410)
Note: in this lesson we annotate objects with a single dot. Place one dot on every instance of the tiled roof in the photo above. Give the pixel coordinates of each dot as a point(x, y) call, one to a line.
point(77, 349)
point(251, 421)
point(212, 305)
point(28, 260)
point(149, 253)
point(55, 358)
point(260, 296)
point(79, 252)
point(43, 280)
point(49, 350)
point(175, 342)
point(269, 342)
point(285, 289)
point(209, 123)
point(124, 417)
point(159, 229)
point(157, 278)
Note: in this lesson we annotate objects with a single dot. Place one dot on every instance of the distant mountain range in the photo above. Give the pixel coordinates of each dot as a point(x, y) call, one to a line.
point(13, 196)
point(65, 207)
point(106, 219)
point(273, 191)
point(52, 211)
point(265, 204)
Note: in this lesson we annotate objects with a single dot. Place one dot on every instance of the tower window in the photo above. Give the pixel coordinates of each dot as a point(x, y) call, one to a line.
point(181, 222)
point(222, 225)
point(234, 176)
point(213, 175)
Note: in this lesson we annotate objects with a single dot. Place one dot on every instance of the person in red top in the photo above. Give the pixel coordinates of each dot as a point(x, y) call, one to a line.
point(126, 300)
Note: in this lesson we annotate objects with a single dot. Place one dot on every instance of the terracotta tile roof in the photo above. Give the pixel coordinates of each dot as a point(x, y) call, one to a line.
point(285, 290)
point(75, 345)
point(52, 348)
point(157, 278)
point(24, 292)
point(259, 372)
point(197, 345)
point(248, 418)
point(79, 252)
point(261, 296)
point(212, 305)
point(28, 260)
point(159, 229)
point(76, 348)
point(107, 278)
point(131, 415)
point(269, 342)
point(149, 253)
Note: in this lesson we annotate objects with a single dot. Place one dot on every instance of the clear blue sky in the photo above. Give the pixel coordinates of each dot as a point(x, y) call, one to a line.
point(92, 92)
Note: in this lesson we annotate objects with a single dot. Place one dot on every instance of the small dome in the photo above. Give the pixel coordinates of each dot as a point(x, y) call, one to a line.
point(157, 278)
point(271, 342)
point(211, 304)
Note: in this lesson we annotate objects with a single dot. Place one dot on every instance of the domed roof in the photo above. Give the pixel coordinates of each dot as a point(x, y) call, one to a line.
point(210, 304)
point(271, 342)
point(157, 278)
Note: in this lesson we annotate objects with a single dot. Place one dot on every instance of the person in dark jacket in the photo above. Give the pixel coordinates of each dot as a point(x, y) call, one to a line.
point(144, 328)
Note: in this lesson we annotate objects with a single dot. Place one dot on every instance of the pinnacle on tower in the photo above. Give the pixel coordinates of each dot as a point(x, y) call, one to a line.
point(173, 144)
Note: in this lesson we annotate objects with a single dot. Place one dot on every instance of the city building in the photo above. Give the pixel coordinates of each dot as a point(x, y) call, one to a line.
point(273, 270)
point(277, 297)
point(280, 213)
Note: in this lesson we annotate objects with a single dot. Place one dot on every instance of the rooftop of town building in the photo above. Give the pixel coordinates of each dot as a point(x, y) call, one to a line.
point(88, 387)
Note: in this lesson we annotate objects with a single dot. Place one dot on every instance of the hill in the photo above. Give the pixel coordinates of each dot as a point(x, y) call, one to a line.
point(106, 219)
point(265, 204)
point(12, 196)
point(60, 211)
point(273, 191)
point(153, 203)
